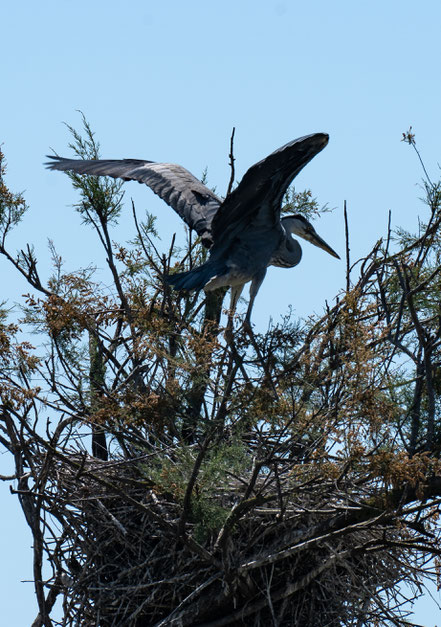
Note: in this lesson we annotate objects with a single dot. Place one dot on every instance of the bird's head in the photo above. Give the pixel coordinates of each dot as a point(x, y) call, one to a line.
point(299, 225)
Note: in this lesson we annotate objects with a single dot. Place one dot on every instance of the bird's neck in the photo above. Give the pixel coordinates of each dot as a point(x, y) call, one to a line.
point(289, 252)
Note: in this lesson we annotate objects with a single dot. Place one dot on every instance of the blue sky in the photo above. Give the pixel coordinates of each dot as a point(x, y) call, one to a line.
point(167, 82)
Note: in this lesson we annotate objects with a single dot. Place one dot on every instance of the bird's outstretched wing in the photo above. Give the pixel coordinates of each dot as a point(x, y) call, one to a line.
point(259, 195)
point(191, 199)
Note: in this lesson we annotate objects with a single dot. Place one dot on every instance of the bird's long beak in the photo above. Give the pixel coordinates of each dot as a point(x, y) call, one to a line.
point(315, 239)
point(299, 225)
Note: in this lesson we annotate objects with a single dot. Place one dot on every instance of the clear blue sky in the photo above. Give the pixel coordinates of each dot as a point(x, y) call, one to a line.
point(167, 81)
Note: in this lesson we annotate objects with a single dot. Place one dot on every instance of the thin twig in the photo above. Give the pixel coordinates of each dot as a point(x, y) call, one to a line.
point(232, 160)
point(348, 262)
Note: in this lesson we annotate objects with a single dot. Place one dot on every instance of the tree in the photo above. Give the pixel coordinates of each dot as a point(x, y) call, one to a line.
point(291, 477)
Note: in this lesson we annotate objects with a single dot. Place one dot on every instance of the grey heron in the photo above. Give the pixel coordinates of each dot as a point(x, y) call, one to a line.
point(244, 232)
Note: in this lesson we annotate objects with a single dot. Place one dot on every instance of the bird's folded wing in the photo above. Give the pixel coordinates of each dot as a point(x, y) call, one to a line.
point(190, 198)
point(259, 195)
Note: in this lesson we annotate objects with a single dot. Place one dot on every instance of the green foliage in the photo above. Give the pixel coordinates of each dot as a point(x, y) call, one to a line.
point(222, 462)
point(304, 203)
point(12, 206)
point(101, 198)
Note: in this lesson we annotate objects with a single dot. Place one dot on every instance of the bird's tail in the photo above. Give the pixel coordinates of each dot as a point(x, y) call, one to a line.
point(198, 278)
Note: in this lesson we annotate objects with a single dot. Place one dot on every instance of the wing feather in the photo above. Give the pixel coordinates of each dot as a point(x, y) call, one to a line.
point(192, 200)
point(258, 197)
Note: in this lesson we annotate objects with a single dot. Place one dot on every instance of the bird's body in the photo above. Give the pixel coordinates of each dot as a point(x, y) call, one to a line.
point(245, 232)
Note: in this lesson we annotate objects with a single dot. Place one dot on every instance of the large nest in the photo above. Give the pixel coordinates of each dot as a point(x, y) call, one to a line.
point(279, 552)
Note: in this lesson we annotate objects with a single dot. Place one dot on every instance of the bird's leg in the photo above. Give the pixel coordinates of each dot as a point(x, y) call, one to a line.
point(236, 291)
point(254, 288)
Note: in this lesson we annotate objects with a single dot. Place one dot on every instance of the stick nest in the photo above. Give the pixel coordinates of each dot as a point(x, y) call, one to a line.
point(299, 554)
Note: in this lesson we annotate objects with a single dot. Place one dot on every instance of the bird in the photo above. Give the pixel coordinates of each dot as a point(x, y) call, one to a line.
point(245, 232)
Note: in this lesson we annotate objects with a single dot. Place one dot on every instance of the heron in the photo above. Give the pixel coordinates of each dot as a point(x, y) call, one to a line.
point(245, 232)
